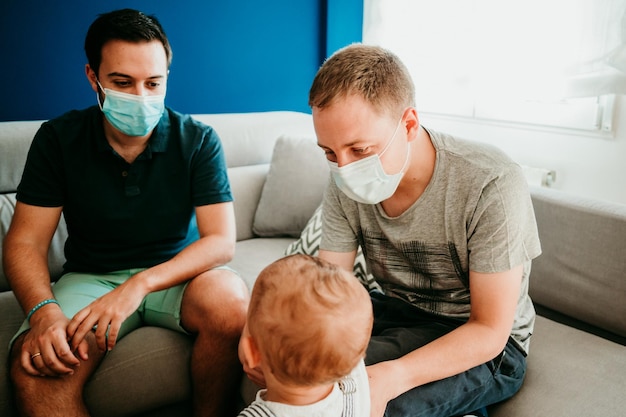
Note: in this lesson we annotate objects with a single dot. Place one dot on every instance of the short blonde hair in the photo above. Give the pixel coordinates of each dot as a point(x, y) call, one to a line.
point(310, 319)
point(371, 72)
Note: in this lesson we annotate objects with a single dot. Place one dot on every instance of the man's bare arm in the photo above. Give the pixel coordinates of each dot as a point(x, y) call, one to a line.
point(25, 262)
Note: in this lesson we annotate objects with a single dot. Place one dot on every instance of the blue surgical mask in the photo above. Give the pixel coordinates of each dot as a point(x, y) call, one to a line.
point(131, 114)
point(365, 180)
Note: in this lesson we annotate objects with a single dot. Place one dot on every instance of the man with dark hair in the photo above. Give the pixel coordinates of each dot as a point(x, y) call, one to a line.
point(147, 202)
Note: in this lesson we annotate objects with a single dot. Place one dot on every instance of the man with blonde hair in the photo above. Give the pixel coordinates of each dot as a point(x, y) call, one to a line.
point(307, 329)
point(447, 229)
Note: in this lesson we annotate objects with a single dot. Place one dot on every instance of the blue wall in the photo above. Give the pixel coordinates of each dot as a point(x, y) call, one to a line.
point(229, 56)
point(344, 24)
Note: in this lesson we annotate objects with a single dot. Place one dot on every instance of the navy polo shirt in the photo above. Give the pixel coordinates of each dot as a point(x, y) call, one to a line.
point(122, 215)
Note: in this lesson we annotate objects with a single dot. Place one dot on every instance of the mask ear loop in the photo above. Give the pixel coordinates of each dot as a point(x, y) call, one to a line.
point(393, 137)
point(408, 155)
point(408, 144)
point(98, 93)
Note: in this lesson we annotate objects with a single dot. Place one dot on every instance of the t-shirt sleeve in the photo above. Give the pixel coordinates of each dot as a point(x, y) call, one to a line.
point(502, 233)
point(42, 180)
point(337, 233)
point(210, 184)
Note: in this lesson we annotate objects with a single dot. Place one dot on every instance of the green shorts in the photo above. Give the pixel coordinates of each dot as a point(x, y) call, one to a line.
point(74, 291)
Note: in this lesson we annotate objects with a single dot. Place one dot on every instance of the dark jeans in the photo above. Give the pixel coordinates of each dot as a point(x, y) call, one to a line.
point(400, 328)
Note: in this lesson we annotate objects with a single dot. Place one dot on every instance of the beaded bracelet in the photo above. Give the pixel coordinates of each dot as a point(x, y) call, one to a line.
point(38, 306)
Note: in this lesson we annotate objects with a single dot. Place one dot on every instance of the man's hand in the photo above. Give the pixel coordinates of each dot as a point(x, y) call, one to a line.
point(106, 314)
point(45, 350)
point(381, 379)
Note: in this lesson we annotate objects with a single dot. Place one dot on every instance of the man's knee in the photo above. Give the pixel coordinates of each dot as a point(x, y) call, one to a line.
point(16, 371)
point(216, 301)
point(60, 395)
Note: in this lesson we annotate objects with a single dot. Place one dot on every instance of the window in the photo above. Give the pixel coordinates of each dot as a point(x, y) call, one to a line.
point(555, 63)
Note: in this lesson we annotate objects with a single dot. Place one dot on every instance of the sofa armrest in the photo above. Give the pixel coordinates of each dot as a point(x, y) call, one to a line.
point(582, 270)
point(246, 183)
point(56, 255)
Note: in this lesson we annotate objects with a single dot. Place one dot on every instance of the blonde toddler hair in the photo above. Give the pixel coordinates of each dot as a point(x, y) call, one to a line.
point(311, 320)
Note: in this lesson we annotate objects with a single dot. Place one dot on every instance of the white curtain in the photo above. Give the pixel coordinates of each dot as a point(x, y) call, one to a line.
point(461, 51)
point(602, 73)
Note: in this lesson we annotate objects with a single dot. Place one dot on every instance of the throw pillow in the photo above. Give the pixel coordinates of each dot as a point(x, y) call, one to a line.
point(309, 244)
point(294, 187)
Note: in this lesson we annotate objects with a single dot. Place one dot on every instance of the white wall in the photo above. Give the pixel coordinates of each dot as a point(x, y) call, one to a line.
point(585, 165)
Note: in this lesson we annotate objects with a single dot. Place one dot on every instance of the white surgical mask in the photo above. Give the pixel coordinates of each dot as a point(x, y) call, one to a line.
point(365, 180)
point(131, 114)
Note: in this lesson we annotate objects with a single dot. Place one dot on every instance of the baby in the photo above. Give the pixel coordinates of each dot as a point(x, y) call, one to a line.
point(308, 326)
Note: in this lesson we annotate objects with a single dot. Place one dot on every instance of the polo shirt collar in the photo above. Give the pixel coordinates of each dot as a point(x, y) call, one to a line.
point(157, 143)
point(161, 135)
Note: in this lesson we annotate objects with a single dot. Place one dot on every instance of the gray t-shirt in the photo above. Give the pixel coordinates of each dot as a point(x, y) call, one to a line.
point(475, 214)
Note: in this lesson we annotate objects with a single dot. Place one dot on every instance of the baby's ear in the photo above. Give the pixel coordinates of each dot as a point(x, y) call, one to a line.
point(250, 350)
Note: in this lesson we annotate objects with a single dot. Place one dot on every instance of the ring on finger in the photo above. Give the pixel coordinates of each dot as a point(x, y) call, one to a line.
point(35, 355)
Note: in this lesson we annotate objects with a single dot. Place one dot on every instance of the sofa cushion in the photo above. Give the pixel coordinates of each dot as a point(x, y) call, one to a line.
point(252, 255)
point(309, 244)
point(570, 373)
point(293, 189)
point(11, 319)
point(133, 375)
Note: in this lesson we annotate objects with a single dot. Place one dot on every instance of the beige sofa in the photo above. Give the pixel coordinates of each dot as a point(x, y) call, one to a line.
point(577, 364)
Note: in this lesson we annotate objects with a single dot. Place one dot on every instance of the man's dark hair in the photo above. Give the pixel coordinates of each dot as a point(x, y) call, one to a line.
point(126, 25)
